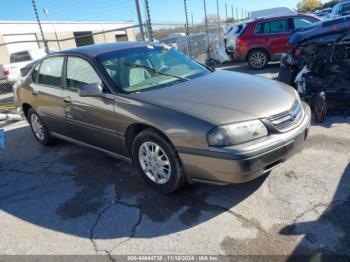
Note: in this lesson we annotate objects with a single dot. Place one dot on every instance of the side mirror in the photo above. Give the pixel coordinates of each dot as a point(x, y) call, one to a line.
point(90, 90)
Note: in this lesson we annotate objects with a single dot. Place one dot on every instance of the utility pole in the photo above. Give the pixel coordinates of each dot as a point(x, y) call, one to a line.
point(138, 9)
point(218, 11)
point(149, 23)
point(187, 30)
point(41, 29)
point(233, 18)
point(46, 12)
point(226, 11)
point(206, 28)
point(237, 18)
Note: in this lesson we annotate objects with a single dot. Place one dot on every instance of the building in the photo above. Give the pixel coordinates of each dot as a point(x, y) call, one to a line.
point(25, 35)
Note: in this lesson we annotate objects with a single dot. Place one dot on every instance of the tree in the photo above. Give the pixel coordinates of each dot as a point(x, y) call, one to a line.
point(330, 4)
point(308, 5)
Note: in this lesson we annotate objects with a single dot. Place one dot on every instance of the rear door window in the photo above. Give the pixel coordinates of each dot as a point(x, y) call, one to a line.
point(50, 72)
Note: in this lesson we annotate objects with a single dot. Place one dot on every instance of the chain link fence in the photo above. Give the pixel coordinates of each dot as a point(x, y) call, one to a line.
point(199, 32)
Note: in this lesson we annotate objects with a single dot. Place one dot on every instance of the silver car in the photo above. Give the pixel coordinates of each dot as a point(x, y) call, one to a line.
point(176, 120)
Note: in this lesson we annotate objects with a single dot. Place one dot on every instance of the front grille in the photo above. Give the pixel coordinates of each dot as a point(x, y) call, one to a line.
point(289, 119)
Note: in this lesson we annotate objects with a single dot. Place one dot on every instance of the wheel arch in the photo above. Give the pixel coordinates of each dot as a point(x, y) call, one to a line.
point(256, 49)
point(134, 129)
point(26, 107)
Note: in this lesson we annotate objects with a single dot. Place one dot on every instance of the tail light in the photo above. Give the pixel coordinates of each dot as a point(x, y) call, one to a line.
point(5, 72)
point(240, 41)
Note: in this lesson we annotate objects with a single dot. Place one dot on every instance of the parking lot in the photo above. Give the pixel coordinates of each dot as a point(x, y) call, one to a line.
point(70, 200)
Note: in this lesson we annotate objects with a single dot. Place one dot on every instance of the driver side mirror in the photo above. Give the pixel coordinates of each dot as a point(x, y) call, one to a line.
point(90, 90)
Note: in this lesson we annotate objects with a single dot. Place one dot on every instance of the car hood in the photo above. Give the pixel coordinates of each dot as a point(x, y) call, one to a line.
point(224, 97)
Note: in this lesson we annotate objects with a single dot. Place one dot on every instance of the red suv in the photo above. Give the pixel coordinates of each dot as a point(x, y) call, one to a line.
point(264, 39)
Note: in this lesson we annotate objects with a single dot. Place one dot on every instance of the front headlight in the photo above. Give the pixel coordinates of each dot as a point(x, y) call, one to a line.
point(237, 133)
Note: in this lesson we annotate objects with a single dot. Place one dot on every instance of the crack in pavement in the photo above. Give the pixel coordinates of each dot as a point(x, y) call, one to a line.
point(314, 208)
point(132, 234)
point(244, 220)
point(115, 202)
point(94, 226)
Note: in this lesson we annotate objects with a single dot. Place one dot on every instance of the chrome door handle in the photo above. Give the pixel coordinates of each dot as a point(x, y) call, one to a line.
point(67, 100)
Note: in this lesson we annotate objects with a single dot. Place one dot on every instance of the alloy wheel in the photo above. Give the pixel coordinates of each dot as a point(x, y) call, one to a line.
point(258, 60)
point(37, 126)
point(154, 162)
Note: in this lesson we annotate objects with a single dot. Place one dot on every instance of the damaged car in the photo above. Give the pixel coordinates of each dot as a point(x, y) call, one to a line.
point(319, 64)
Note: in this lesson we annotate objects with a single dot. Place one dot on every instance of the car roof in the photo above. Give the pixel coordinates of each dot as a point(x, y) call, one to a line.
point(95, 50)
point(268, 18)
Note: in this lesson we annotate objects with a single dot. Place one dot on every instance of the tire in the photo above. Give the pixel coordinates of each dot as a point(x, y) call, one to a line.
point(258, 59)
point(287, 75)
point(320, 107)
point(40, 131)
point(172, 176)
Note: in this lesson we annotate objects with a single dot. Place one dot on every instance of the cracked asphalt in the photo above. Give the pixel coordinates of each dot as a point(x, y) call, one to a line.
point(69, 200)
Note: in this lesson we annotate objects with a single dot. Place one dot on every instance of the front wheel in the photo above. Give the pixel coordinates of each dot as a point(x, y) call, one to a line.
point(157, 161)
point(258, 59)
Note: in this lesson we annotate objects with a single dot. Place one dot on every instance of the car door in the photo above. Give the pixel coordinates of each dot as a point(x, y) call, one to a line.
point(274, 35)
point(90, 119)
point(47, 88)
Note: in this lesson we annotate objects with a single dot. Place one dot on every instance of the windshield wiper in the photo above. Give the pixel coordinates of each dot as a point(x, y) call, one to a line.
point(183, 79)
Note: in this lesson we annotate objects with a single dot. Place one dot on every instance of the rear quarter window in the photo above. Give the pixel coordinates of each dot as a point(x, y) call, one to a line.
point(302, 22)
point(272, 27)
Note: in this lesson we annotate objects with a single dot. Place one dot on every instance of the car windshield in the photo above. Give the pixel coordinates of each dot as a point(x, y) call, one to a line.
point(143, 68)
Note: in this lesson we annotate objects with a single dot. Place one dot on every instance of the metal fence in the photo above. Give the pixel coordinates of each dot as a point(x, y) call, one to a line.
point(199, 32)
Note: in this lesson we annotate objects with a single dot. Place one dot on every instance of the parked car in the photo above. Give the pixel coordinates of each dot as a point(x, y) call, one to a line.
point(175, 119)
point(11, 72)
point(231, 36)
point(324, 13)
point(265, 39)
point(341, 9)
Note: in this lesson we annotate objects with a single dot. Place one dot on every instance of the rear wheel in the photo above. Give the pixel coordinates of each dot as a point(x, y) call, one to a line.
point(157, 161)
point(40, 131)
point(258, 59)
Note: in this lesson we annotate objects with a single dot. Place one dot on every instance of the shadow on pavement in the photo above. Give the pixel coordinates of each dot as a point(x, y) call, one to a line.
point(68, 189)
point(332, 226)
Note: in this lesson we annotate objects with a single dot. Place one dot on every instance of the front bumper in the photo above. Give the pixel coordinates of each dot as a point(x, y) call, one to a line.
point(238, 164)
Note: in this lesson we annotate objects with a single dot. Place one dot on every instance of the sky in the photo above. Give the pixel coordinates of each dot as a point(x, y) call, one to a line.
point(122, 10)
